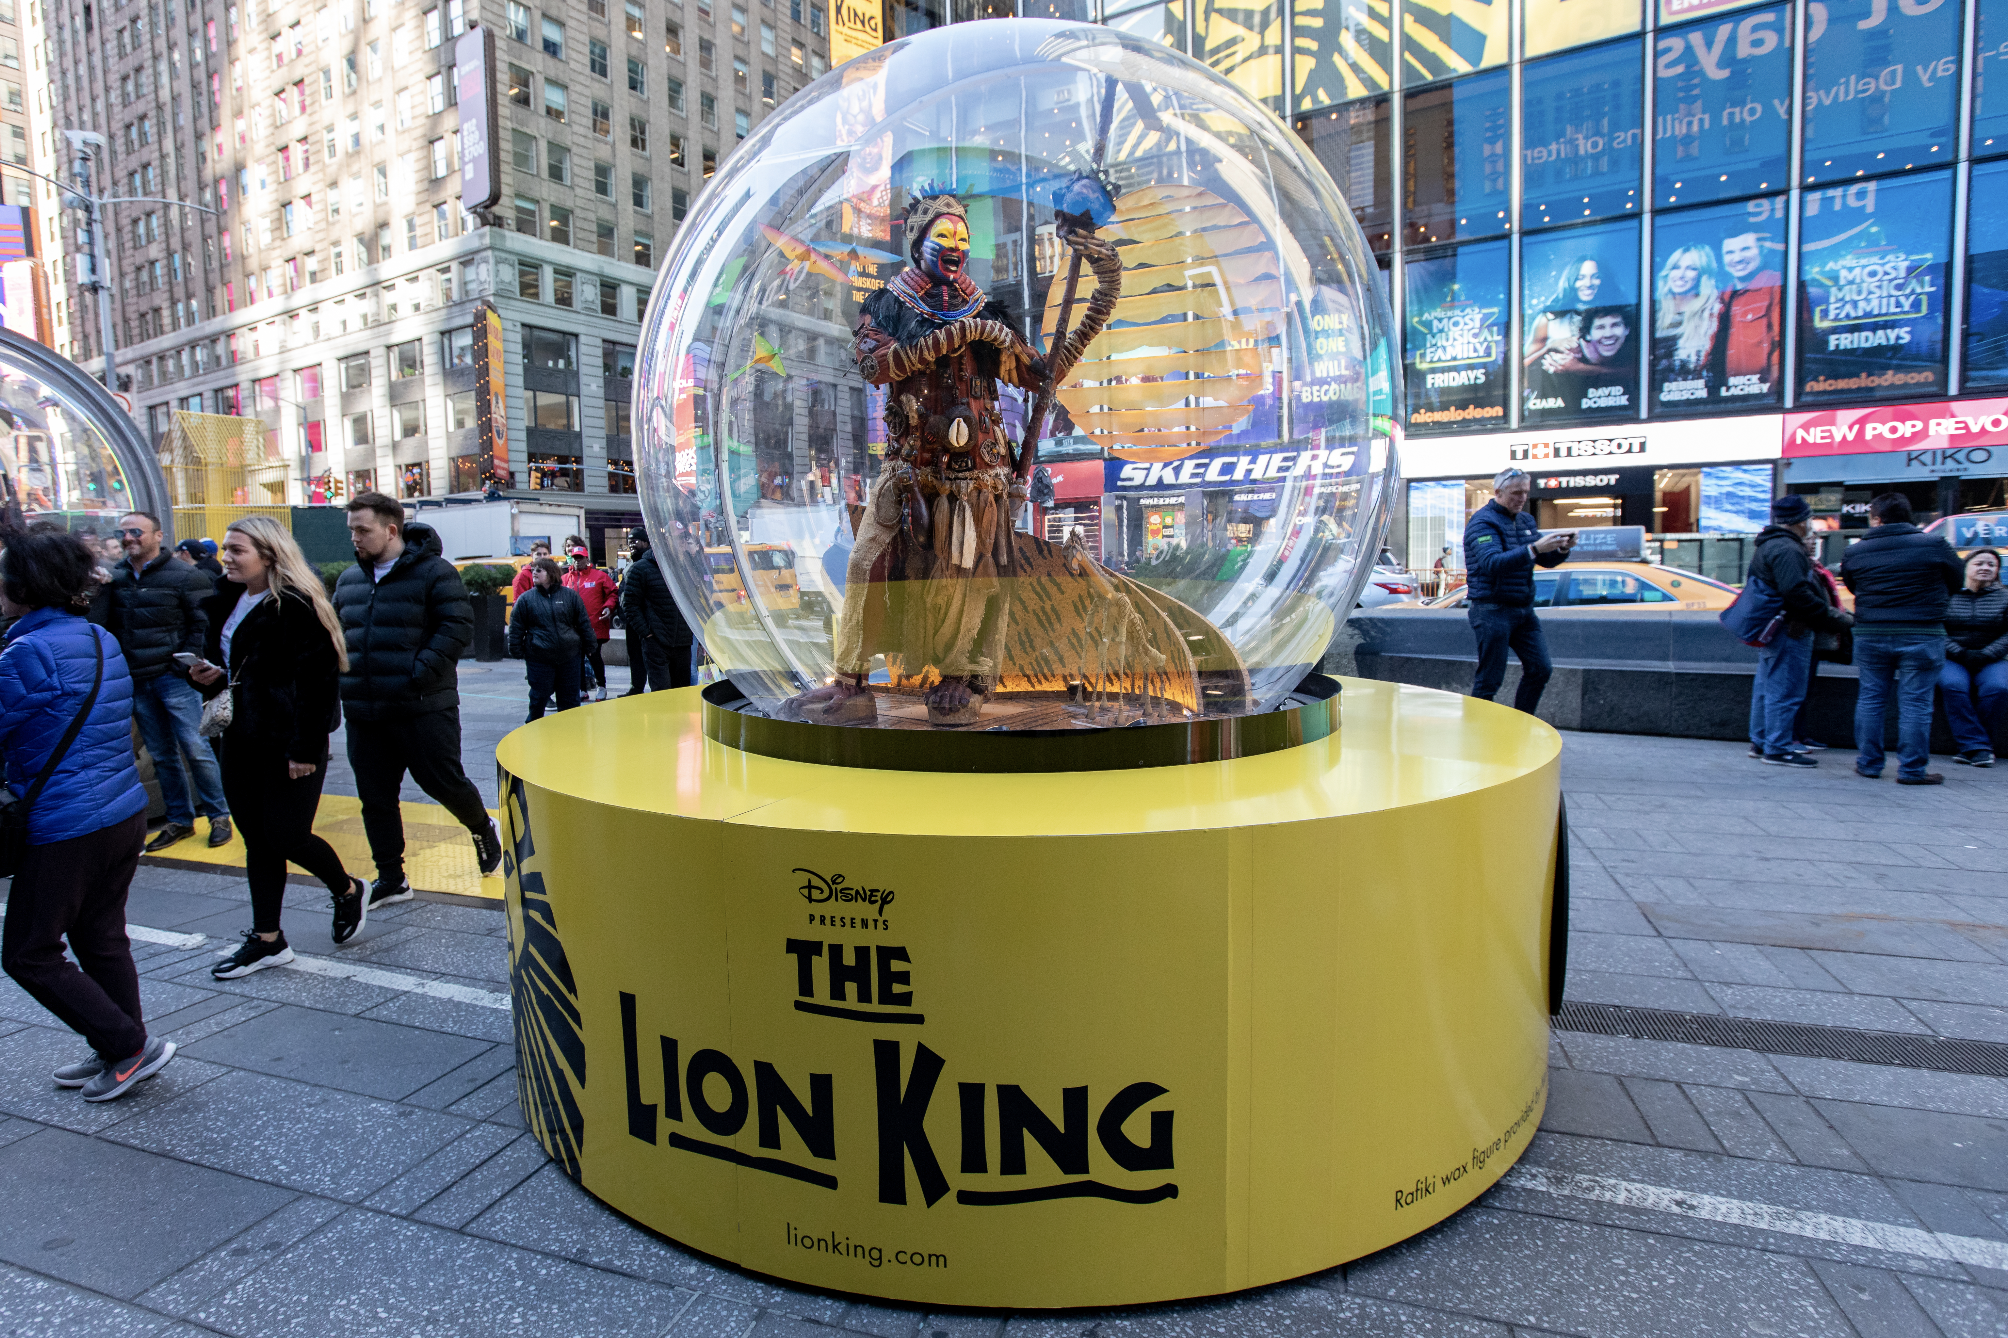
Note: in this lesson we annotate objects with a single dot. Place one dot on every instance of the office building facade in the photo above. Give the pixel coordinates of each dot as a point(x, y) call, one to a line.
point(335, 282)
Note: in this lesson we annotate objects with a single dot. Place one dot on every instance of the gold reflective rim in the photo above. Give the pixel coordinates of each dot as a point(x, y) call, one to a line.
point(1309, 713)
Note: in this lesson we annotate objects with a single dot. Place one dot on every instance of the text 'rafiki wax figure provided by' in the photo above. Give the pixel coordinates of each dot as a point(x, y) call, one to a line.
point(852, 968)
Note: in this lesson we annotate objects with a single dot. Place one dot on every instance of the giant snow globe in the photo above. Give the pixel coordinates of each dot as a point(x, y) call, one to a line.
point(1017, 376)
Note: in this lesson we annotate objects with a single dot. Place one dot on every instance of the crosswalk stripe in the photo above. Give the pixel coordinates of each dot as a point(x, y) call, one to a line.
point(1913, 1241)
point(393, 980)
point(165, 937)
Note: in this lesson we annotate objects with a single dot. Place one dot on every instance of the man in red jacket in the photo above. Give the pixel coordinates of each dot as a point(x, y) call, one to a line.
point(598, 592)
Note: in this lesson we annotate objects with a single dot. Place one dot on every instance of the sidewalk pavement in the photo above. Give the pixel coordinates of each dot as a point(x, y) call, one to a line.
point(337, 1149)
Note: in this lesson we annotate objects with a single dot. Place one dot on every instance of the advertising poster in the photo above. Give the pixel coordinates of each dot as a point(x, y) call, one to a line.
point(491, 399)
point(1580, 352)
point(473, 80)
point(1872, 264)
point(1987, 276)
point(1456, 346)
point(1718, 309)
point(1446, 37)
point(1722, 124)
point(856, 26)
point(1555, 24)
point(1882, 86)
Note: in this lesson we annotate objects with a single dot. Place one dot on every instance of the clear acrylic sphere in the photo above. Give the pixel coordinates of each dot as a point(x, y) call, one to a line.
point(1222, 453)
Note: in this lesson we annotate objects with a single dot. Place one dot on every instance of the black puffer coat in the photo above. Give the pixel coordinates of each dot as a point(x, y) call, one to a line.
point(1976, 626)
point(157, 614)
point(549, 626)
point(1901, 577)
point(285, 669)
point(648, 608)
point(405, 632)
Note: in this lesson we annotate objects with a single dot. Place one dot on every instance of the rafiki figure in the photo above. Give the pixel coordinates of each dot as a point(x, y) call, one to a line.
point(927, 582)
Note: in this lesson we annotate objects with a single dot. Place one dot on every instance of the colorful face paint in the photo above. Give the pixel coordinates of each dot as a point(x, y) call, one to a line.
point(945, 253)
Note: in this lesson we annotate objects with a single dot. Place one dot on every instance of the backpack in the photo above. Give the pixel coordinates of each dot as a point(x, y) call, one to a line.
point(1758, 614)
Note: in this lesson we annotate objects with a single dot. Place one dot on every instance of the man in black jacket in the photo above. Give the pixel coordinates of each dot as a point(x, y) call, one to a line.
point(155, 612)
point(1502, 546)
point(406, 618)
point(1784, 668)
point(1902, 578)
point(659, 640)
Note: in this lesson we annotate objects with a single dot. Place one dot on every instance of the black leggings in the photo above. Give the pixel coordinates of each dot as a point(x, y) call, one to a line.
point(275, 814)
point(596, 657)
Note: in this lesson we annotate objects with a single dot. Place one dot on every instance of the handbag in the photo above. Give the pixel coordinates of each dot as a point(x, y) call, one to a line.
point(1758, 614)
point(218, 712)
point(14, 812)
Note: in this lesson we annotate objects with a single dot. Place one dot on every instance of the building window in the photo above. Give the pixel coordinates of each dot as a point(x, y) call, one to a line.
point(563, 282)
point(552, 350)
point(707, 56)
point(413, 480)
point(558, 162)
point(768, 87)
point(598, 58)
point(519, 21)
point(404, 360)
point(554, 39)
point(740, 83)
point(676, 150)
point(435, 93)
point(639, 192)
point(634, 20)
point(1855, 122)
point(766, 39)
point(603, 237)
point(673, 94)
point(356, 372)
point(603, 180)
point(707, 111)
point(554, 101)
point(529, 281)
point(523, 152)
point(1580, 288)
point(556, 473)
point(359, 429)
point(644, 251)
point(561, 225)
point(638, 134)
point(441, 164)
point(458, 348)
point(432, 37)
point(610, 293)
point(603, 119)
point(307, 383)
point(1456, 175)
point(551, 410)
point(637, 77)
point(407, 420)
point(1598, 93)
point(679, 203)
point(620, 477)
point(1707, 147)
point(526, 216)
point(672, 39)
point(738, 24)
point(460, 411)
point(740, 125)
point(519, 86)
point(710, 161)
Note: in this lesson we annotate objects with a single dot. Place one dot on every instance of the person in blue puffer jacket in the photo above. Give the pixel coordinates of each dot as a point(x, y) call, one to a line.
point(87, 825)
point(1502, 546)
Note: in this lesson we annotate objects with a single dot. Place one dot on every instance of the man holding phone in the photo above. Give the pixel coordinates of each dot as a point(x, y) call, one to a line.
point(156, 614)
point(1502, 546)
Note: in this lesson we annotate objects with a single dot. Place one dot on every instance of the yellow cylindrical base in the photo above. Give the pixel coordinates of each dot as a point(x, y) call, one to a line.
point(1035, 1040)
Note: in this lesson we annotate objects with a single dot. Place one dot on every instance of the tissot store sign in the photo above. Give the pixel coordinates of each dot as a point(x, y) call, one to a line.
point(1661, 445)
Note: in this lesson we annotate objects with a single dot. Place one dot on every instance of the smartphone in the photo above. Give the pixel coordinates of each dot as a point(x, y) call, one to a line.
point(188, 661)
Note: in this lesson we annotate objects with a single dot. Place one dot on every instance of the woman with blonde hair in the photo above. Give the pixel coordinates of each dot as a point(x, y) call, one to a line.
point(1686, 300)
point(277, 648)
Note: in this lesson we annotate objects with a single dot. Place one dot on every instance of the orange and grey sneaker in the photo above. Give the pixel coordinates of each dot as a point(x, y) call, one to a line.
point(115, 1080)
point(79, 1073)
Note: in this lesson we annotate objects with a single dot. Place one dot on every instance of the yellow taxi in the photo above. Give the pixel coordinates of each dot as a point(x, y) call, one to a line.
point(1607, 585)
point(773, 576)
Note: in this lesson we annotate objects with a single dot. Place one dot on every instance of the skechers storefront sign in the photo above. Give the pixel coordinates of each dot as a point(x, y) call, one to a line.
point(1221, 469)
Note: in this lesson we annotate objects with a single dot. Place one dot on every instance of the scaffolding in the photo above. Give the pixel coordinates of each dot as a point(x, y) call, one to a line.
point(220, 469)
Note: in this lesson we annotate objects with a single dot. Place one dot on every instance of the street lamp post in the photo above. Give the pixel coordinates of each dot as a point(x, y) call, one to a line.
point(90, 146)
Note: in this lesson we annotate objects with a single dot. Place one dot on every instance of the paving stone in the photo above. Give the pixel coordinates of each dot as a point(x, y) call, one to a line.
point(1594, 1104)
point(1671, 1117)
point(1736, 1123)
point(888, 1322)
point(713, 1317)
point(209, 1005)
point(443, 1091)
point(492, 1100)
point(474, 1021)
point(192, 1286)
point(1806, 1132)
point(1887, 1085)
point(367, 1274)
point(1874, 1300)
point(278, 985)
point(1801, 969)
point(315, 1139)
point(1954, 982)
point(1291, 1310)
point(548, 1212)
point(476, 956)
point(30, 1055)
point(1973, 1022)
point(189, 1032)
point(61, 1220)
point(1680, 996)
point(1672, 1061)
point(461, 919)
point(1959, 1309)
point(1924, 1144)
point(1605, 1280)
point(306, 931)
point(160, 906)
point(352, 1053)
point(38, 1307)
point(465, 1199)
point(1629, 954)
point(1734, 963)
point(437, 1173)
point(961, 1326)
point(1861, 1011)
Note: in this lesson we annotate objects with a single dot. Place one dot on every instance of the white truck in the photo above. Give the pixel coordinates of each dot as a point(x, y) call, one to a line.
point(499, 530)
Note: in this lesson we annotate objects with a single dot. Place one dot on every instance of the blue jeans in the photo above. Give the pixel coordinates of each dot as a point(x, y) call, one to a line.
point(168, 710)
point(1778, 690)
point(1499, 628)
point(1906, 666)
point(1964, 689)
